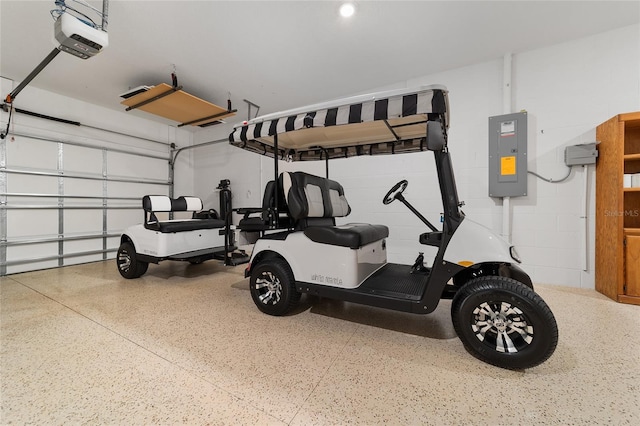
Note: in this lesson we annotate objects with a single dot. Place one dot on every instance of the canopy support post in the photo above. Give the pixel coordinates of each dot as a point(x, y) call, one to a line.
point(275, 171)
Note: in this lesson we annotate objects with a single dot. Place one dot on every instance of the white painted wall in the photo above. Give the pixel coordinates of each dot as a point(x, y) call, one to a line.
point(30, 153)
point(567, 89)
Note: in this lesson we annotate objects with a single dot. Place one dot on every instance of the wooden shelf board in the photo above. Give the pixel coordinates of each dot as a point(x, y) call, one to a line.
point(631, 157)
point(631, 189)
point(177, 106)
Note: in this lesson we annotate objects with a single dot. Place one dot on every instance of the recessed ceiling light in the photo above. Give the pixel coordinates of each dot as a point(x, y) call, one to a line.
point(347, 10)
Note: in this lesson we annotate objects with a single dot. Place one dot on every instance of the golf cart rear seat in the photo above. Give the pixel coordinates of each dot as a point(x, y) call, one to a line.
point(161, 203)
point(314, 203)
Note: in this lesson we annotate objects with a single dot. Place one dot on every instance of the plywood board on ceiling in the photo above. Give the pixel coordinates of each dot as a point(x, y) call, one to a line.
point(178, 106)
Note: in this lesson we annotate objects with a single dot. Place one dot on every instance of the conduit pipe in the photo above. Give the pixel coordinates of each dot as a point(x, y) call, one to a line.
point(507, 108)
point(583, 216)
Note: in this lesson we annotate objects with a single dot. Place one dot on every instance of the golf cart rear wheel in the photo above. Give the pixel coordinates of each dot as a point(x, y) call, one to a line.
point(503, 322)
point(273, 288)
point(128, 264)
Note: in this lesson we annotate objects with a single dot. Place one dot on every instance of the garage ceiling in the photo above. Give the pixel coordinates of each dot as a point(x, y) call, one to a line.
point(286, 54)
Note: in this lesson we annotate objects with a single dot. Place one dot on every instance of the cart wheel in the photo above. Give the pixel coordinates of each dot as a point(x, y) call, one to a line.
point(503, 322)
point(128, 264)
point(273, 288)
point(195, 261)
point(142, 268)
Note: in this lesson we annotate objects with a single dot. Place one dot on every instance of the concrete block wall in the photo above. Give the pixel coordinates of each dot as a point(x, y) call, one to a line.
point(567, 89)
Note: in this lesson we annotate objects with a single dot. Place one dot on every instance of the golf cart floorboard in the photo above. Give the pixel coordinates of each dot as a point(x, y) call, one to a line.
point(397, 281)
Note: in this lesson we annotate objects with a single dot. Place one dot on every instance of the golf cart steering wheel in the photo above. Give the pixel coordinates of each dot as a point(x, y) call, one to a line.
point(393, 193)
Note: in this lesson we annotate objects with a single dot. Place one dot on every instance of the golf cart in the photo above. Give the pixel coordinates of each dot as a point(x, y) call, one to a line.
point(495, 311)
point(202, 237)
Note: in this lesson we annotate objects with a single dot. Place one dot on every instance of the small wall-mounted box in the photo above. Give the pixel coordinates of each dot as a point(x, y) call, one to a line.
point(579, 155)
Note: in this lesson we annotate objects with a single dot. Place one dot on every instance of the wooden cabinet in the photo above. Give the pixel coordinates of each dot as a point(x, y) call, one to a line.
point(618, 209)
point(632, 262)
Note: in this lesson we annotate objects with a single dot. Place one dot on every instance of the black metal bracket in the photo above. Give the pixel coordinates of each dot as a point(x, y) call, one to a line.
point(211, 117)
point(155, 98)
point(326, 158)
point(393, 132)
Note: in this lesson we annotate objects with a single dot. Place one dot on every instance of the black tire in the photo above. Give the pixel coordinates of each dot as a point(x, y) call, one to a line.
point(503, 322)
point(273, 288)
point(142, 268)
point(195, 261)
point(128, 264)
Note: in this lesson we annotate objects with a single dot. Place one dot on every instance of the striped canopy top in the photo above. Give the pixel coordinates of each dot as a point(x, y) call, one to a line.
point(387, 122)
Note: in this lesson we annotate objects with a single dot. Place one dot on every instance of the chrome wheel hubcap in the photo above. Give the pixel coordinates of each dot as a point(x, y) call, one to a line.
point(124, 261)
point(269, 288)
point(502, 326)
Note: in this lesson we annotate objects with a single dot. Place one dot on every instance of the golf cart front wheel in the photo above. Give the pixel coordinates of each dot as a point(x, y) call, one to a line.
point(128, 264)
point(273, 287)
point(503, 322)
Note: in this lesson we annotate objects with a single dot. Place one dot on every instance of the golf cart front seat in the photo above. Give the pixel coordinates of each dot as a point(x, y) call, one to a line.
point(314, 203)
point(269, 217)
point(152, 204)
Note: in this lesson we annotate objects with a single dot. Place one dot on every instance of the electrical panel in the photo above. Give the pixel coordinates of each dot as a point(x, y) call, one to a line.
point(508, 155)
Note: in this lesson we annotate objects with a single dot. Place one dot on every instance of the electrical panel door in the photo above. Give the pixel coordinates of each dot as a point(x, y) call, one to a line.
point(508, 155)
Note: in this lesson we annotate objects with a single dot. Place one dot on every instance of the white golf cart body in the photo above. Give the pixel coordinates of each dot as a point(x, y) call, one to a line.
point(162, 245)
point(495, 312)
point(348, 268)
point(194, 239)
point(390, 122)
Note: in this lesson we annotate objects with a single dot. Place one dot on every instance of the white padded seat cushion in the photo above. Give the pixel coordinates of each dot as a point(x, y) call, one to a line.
point(314, 199)
point(339, 204)
point(162, 203)
point(194, 204)
point(158, 203)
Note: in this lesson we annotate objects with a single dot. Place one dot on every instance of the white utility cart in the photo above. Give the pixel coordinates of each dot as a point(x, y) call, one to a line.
point(495, 311)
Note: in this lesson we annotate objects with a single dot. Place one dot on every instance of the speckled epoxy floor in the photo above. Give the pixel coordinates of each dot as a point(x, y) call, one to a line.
point(184, 344)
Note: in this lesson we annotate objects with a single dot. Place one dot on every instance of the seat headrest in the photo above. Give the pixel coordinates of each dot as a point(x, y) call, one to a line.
point(156, 203)
point(186, 204)
point(162, 203)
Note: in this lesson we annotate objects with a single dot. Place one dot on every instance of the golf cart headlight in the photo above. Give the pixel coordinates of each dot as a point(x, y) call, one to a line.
point(514, 254)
